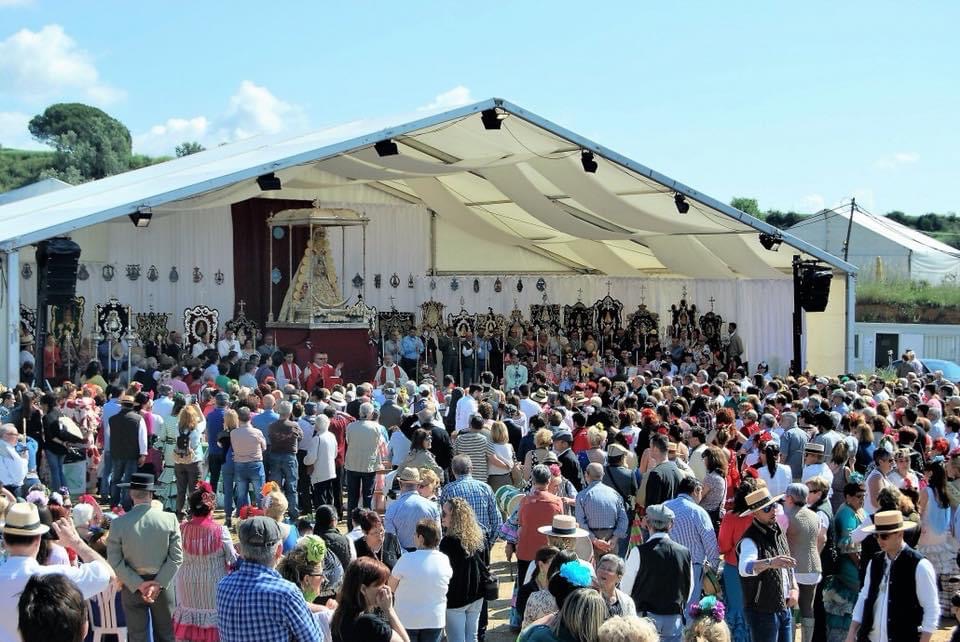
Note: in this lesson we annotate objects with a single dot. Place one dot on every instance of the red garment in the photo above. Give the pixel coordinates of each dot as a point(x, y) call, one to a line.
point(536, 509)
point(312, 375)
point(381, 377)
point(338, 427)
point(51, 362)
point(732, 528)
point(733, 477)
point(580, 440)
point(749, 430)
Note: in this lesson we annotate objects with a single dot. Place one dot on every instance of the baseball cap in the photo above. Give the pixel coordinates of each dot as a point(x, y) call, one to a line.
point(259, 531)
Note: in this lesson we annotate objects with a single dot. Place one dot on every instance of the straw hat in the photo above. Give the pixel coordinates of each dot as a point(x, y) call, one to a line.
point(563, 526)
point(411, 475)
point(758, 500)
point(24, 519)
point(813, 448)
point(885, 521)
point(538, 396)
point(616, 450)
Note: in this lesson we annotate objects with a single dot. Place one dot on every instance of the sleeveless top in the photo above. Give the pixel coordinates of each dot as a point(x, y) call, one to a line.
point(868, 506)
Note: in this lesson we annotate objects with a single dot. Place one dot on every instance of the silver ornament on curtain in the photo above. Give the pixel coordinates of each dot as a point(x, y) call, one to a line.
point(153, 273)
point(174, 275)
point(218, 277)
point(107, 273)
point(276, 276)
point(83, 274)
point(26, 271)
point(133, 271)
point(197, 275)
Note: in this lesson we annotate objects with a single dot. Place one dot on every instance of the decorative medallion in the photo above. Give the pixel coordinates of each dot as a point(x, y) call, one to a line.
point(279, 232)
point(153, 273)
point(174, 275)
point(519, 285)
point(107, 273)
point(454, 285)
point(498, 285)
point(197, 275)
point(476, 285)
point(82, 273)
point(541, 284)
point(410, 282)
point(218, 277)
point(275, 276)
point(358, 281)
point(377, 279)
point(26, 271)
point(433, 284)
point(395, 280)
point(133, 271)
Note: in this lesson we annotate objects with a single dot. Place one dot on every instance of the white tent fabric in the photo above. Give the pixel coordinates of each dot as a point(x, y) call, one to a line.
point(520, 186)
point(902, 252)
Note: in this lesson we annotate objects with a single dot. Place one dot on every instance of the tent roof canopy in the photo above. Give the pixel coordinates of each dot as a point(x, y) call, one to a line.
point(520, 186)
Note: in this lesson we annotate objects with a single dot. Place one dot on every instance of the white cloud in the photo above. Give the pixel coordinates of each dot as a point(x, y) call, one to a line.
point(456, 97)
point(811, 204)
point(891, 161)
point(251, 111)
point(39, 65)
point(14, 133)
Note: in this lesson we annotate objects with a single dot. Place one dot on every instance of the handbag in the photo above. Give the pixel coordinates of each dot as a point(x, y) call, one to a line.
point(489, 583)
point(516, 475)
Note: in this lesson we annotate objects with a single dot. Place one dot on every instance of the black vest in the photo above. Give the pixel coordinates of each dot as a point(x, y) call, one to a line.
point(663, 581)
point(124, 435)
point(904, 613)
point(764, 592)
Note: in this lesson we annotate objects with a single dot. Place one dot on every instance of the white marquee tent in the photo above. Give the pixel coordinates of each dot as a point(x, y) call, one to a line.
point(457, 200)
point(899, 251)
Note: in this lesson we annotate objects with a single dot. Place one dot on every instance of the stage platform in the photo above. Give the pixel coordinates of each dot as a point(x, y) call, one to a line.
point(346, 342)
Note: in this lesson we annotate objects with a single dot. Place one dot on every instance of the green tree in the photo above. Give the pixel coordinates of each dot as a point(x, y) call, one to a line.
point(747, 205)
point(89, 143)
point(186, 148)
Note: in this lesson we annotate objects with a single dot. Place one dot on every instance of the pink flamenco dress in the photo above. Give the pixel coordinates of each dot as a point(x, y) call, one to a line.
point(208, 553)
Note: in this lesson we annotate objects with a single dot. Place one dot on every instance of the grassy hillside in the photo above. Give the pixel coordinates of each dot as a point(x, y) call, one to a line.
point(20, 167)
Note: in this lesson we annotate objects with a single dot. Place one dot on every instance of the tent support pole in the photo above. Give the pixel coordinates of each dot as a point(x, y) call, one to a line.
point(797, 368)
point(433, 243)
point(850, 321)
point(12, 297)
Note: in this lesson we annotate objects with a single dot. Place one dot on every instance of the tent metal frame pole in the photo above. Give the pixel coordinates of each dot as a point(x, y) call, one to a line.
point(846, 241)
point(797, 319)
point(12, 296)
point(850, 322)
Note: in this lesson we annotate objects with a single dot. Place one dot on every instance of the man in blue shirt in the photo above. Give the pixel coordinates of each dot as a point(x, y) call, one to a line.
point(110, 408)
point(408, 509)
point(255, 604)
point(215, 454)
point(411, 351)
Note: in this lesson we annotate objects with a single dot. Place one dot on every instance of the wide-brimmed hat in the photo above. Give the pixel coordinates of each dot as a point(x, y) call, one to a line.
point(563, 526)
point(616, 450)
point(813, 448)
point(538, 396)
point(758, 500)
point(336, 397)
point(409, 475)
point(139, 481)
point(889, 521)
point(578, 398)
point(127, 400)
point(24, 519)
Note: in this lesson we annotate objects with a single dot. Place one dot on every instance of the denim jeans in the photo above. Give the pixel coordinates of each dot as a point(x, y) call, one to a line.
point(359, 486)
point(106, 469)
point(247, 476)
point(670, 627)
point(424, 635)
point(770, 627)
point(122, 470)
point(55, 464)
point(283, 470)
point(227, 471)
point(462, 622)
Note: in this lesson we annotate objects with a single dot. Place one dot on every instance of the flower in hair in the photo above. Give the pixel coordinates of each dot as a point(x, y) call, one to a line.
point(577, 572)
point(269, 487)
point(315, 547)
point(204, 486)
point(709, 606)
point(554, 470)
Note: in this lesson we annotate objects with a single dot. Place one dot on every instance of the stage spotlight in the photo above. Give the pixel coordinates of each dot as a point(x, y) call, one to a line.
point(681, 202)
point(589, 164)
point(269, 182)
point(386, 148)
point(141, 218)
point(492, 118)
point(770, 241)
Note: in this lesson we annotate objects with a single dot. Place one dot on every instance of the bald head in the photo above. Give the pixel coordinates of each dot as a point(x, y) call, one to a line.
point(594, 471)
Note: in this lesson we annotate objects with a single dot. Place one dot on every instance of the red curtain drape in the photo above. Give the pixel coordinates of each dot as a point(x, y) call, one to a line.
point(251, 255)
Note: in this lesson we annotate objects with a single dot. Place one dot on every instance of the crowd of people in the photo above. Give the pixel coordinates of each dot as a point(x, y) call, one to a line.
point(636, 501)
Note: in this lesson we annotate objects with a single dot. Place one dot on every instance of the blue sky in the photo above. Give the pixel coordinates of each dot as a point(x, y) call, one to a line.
point(798, 107)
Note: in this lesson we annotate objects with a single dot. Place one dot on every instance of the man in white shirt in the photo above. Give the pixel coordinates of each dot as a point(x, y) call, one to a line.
point(13, 461)
point(467, 406)
point(21, 538)
point(420, 579)
point(895, 615)
point(228, 344)
point(528, 407)
point(698, 447)
point(163, 404)
point(515, 374)
point(814, 466)
point(288, 372)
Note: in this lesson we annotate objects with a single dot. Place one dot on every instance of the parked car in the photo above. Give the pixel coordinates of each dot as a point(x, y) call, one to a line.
point(950, 370)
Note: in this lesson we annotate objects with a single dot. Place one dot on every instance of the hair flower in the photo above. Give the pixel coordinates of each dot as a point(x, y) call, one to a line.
point(315, 547)
point(578, 573)
point(709, 606)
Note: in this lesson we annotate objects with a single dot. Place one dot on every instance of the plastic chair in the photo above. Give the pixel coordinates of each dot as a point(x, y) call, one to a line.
point(106, 615)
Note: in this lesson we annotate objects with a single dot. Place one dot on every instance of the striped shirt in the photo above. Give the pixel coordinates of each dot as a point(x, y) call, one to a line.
point(692, 528)
point(475, 444)
point(600, 507)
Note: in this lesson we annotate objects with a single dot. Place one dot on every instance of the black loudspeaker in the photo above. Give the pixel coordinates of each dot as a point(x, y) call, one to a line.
point(815, 287)
point(57, 262)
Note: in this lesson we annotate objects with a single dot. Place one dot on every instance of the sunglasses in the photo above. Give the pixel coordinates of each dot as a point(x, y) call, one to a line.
point(885, 536)
point(767, 509)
